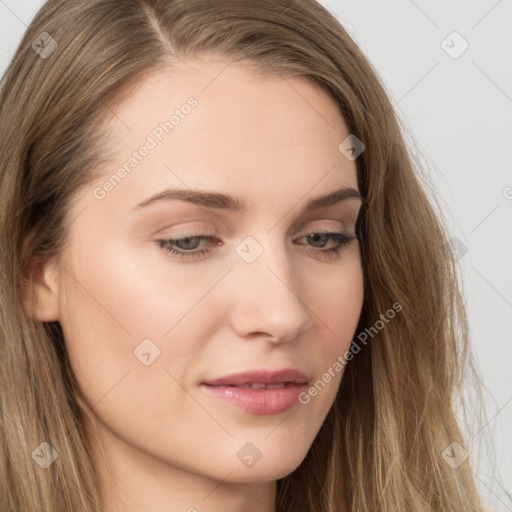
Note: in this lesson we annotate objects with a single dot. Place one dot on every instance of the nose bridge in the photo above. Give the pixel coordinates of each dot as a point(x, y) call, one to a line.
point(267, 295)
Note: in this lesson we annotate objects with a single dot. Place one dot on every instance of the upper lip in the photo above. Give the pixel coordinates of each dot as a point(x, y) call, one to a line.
point(288, 375)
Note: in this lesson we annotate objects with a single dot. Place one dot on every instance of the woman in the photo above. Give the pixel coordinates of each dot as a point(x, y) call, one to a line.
point(301, 354)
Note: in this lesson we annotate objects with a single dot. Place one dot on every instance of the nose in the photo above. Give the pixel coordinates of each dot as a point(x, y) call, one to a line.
point(267, 299)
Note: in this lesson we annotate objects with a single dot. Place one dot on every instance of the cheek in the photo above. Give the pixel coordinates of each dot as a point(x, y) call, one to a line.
point(115, 314)
point(338, 304)
point(152, 294)
point(129, 315)
point(131, 294)
point(114, 322)
point(337, 307)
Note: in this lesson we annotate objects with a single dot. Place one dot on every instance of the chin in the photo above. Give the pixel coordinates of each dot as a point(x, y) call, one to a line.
point(274, 463)
point(262, 472)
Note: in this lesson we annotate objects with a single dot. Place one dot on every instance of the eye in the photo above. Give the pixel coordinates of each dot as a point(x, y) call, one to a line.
point(187, 246)
point(342, 239)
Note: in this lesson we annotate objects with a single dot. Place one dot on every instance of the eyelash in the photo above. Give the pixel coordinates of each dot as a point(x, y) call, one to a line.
point(343, 240)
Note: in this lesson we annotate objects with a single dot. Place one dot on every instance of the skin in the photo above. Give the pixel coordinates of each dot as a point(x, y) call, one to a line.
point(159, 441)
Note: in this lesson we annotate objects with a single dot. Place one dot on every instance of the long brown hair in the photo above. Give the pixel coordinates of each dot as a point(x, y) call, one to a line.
point(381, 446)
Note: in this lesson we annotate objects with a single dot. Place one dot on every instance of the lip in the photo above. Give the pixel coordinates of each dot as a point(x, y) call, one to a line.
point(264, 376)
point(259, 401)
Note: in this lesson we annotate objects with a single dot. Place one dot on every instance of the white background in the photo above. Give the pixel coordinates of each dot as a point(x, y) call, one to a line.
point(458, 113)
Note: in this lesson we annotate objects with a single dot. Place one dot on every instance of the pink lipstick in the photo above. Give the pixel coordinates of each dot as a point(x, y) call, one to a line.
point(261, 391)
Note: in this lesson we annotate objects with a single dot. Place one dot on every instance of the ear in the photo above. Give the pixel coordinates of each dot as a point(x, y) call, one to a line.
point(41, 291)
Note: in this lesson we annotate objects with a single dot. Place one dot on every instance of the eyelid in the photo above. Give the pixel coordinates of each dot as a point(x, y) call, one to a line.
point(190, 232)
point(339, 227)
point(207, 229)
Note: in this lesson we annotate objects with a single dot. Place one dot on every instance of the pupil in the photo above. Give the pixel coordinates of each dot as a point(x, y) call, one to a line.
point(315, 236)
point(186, 240)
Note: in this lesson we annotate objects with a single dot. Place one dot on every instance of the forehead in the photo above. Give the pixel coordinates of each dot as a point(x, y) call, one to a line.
point(215, 124)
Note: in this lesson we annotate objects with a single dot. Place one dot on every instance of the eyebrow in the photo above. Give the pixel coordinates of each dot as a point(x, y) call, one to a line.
point(235, 204)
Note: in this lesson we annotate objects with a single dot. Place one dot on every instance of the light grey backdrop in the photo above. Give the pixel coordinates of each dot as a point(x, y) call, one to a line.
point(448, 68)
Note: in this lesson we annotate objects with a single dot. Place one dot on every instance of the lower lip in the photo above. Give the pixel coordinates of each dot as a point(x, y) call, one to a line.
point(258, 401)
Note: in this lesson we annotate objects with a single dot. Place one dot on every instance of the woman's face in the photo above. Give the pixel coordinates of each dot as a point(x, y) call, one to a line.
point(247, 291)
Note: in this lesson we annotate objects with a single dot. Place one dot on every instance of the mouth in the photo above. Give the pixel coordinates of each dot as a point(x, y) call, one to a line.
point(259, 392)
point(261, 378)
point(260, 385)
